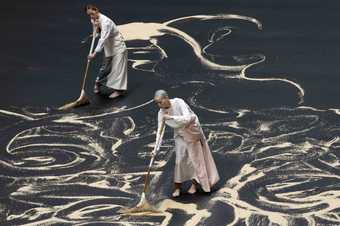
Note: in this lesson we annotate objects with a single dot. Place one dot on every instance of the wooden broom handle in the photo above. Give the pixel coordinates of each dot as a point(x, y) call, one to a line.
point(157, 145)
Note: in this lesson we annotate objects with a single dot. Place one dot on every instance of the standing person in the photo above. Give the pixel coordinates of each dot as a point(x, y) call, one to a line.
point(112, 77)
point(193, 156)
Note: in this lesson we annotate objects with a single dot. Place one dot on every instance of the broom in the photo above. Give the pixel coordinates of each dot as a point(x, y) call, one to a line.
point(83, 99)
point(144, 206)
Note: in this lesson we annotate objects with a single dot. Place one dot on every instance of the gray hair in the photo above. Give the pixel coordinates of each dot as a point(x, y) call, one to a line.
point(160, 93)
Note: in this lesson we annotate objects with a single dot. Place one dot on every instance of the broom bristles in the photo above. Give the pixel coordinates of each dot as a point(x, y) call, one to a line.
point(142, 207)
point(80, 102)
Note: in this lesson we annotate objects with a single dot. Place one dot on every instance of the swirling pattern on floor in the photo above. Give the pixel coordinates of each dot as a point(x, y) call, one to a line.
point(279, 165)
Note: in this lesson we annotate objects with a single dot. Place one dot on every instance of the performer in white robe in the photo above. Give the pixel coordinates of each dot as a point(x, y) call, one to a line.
point(194, 160)
point(112, 77)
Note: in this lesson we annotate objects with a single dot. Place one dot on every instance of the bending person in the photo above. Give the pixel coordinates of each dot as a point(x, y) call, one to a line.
point(112, 77)
point(193, 156)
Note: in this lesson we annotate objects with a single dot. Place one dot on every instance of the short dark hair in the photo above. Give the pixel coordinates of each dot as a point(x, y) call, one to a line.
point(90, 6)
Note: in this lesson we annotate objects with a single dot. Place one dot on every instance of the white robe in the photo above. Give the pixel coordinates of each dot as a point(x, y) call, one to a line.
point(193, 156)
point(111, 40)
point(113, 74)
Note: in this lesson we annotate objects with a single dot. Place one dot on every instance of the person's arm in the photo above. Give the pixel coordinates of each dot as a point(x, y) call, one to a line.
point(104, 34)
point(94, 28)
point(159, 124)
point(159, 136)
point(94, 35)
point(186, 117)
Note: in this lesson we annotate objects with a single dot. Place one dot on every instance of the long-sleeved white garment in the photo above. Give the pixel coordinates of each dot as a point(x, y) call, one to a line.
point(111, 40)
point(193, 156)
point(113, 73)
point(181, 115)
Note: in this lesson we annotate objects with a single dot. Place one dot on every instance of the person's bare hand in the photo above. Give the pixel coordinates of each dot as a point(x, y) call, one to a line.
point(167, 117)
point(153, 153)
point(91, 56)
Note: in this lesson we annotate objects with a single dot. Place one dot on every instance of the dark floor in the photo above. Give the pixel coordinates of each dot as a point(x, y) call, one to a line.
point(267, 100)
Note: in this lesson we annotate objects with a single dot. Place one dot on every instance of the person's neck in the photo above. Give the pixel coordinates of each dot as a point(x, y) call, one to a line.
point(169, 106)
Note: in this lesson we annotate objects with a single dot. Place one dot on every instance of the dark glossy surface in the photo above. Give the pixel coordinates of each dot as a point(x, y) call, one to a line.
point(272, 123)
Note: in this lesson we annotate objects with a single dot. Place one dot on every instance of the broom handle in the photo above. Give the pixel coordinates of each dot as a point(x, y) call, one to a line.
point(85, 75)
point(157, 145)
point(88, 61)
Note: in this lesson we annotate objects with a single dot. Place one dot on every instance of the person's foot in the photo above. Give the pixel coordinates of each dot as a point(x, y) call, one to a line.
point(114, 94)
point(192, 189)
point(96, 89)
point(176, 193)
